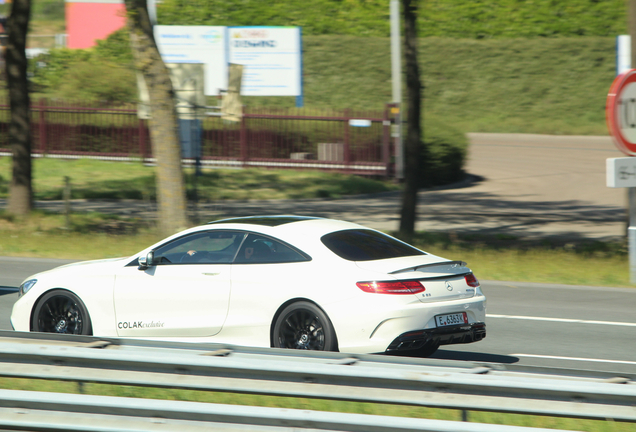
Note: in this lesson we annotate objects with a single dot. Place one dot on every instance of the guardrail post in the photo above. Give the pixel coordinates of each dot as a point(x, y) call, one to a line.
point(42, 125)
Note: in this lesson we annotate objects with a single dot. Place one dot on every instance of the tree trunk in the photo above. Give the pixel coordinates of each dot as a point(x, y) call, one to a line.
point(413, 134)
point(163, 122)
point(20, 190)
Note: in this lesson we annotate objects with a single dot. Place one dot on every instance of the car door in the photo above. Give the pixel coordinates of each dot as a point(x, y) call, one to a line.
point(265, 273)
point(185, 293)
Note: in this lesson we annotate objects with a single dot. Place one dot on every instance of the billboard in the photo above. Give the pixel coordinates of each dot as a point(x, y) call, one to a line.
point(196, 44)
point(271, 56)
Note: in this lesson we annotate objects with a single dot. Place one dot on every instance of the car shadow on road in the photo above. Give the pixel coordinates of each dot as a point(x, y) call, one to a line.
point(474, 356)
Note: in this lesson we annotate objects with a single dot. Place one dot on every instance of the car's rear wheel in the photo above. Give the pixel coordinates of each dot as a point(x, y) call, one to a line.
point(61, 311)
point(303, 325)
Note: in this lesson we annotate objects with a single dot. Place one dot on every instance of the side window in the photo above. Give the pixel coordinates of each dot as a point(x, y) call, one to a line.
point(208, 247)
point(257, 249)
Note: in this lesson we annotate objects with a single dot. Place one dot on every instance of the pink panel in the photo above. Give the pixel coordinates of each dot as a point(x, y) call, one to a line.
point(86, 22)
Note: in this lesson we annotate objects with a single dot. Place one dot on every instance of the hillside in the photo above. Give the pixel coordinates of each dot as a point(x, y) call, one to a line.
point(555, 86)
point(442, 18)
point(539, 85)
point(497, 66)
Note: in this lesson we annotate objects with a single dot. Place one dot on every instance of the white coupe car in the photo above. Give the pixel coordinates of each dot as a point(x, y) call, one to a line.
point(278, 281)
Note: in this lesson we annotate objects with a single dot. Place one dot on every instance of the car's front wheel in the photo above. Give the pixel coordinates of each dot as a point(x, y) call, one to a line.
point(303, 325)
point(61, 311)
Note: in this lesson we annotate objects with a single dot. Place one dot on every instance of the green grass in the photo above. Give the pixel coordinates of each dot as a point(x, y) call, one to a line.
point(495, 85)
point(315, 404)
point(508, 258)
point(86, 236)
point(93, 179)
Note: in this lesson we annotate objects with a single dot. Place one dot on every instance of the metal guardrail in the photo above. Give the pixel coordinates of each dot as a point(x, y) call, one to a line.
point(364, 378)
point(64, 412)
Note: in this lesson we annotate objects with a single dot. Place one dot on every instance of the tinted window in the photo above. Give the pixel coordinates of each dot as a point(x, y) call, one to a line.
point(209, 247)
point(260, 249)
point(367, 245)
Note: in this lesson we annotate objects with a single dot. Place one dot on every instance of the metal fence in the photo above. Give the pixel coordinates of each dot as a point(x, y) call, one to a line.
point(350, 141)
point(334, 376)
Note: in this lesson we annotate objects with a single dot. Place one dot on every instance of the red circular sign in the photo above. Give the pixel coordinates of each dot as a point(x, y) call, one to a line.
point(620, 112)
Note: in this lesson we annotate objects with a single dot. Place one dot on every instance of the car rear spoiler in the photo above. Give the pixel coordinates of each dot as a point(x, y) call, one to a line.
point(451, 264)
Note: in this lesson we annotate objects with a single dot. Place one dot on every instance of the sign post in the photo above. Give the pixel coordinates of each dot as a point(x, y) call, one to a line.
point(621, 172)
point(396, 76)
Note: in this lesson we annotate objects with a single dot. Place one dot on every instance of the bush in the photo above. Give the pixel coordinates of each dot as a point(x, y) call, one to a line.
point(48, 10)
point(49, 70)
point(474, 19)
point(116, 48)
point(103, 73)
point(444, 151)
point(108, 82)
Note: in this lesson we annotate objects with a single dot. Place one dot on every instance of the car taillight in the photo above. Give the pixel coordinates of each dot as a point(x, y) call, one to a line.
point(471, 280)
point(392, 287)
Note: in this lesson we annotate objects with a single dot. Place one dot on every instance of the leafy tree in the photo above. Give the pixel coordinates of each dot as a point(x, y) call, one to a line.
point(20, 190)
point(163, 123)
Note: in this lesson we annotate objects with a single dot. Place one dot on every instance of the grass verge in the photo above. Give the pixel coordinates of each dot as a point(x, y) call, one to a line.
point(94, 179)
point(508, 258)
point(315, 404)
point(95, 235)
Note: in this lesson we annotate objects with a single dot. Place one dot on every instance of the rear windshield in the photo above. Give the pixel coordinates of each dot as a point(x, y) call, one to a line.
point(367, 245)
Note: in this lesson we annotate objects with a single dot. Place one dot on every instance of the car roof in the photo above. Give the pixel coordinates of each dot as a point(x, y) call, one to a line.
point(301, 231)
point(270, 221)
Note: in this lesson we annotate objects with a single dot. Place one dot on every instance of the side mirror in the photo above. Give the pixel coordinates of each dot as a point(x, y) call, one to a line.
point(146, 261)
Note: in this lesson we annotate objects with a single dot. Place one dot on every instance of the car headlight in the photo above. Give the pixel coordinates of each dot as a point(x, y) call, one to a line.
point(26, 286)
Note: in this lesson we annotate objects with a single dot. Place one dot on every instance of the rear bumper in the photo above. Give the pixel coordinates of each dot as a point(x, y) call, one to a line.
point(413, 340)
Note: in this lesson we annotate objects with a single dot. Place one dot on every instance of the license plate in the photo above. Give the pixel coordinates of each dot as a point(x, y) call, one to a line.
point(451, 319)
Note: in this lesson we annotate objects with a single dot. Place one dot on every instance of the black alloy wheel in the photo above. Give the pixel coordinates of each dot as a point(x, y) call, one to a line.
point(303, 325)
point(61, 311)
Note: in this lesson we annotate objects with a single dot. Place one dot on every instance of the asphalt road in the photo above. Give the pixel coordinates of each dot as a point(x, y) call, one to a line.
point(552, 326)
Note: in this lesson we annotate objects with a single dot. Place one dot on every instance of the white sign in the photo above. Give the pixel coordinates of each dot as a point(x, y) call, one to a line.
point(623, 53)
point(196, 44)
point(271, 57)
point(360, 123)
point(621, 172)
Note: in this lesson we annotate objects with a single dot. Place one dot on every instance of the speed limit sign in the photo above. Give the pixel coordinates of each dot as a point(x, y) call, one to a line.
point(621, 112)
